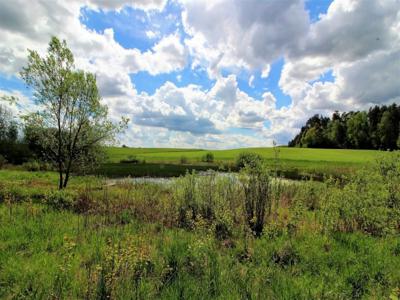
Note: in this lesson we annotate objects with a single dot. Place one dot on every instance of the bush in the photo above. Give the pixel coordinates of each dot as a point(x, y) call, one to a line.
point(183, 160)
point(130, 160)
point(286, 256)
point(14, 194)
point(32, 166)
point(60, 200)
point(208, 157)
point(369, 202)
point(258, 198)
point(3, 161)
point(248, 159)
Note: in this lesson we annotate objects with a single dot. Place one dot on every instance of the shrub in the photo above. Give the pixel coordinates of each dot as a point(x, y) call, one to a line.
point(208, 157)
point(3, 161)
point(369, 202)
point(258, 199)
point(13, 193)
point(249, 159)
point(59, 200)
point(185, 192)
point(132, 159)
point(32, 166)
point(286, 256)
point(183, 160)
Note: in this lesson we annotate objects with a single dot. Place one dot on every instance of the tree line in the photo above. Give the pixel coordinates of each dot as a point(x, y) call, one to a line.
point(377, 128)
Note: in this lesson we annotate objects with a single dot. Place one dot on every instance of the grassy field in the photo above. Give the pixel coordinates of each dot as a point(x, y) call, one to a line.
point(192, 241)
point(293, 162)
point(340, 156)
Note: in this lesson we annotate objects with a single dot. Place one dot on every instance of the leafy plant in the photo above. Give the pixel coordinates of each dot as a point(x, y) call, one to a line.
point(248, 159)
point(257, 200)
point(208, 157)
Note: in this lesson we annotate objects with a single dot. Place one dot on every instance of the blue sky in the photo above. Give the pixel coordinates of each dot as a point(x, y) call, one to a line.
point(130, 27)
point(214, 74)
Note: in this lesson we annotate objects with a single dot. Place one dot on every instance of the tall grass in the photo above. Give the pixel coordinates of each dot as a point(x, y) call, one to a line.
point(189, 239)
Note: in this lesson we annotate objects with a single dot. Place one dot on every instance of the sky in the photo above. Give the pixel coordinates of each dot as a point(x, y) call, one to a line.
point(214, 74)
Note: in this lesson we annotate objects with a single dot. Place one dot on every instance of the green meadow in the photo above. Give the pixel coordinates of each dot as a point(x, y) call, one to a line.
point(192, 238)
point(339, 156)
point(292, 163)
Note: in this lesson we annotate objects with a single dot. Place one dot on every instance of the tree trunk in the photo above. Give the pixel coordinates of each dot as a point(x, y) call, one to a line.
point(60, 182)
point(66, 179)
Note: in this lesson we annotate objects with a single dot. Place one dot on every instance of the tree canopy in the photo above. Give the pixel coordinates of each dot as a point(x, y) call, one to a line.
point(377, 128)
point(72, 123)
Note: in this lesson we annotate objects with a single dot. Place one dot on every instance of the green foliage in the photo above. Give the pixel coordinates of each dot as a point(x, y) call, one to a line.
point(208, 157)
point(248, 159)
point(376, 129)
point(72, 124)
point(369, 202)
point(60, 200)
point(337, 239)
point(258, 197)
point(32, 166)
point(183, 160)
point(130, 160)
point(3, 161)
point(11, 147)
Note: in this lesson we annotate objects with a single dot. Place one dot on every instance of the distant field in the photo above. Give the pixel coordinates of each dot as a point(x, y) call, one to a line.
point(194, 155)
point(300, 161)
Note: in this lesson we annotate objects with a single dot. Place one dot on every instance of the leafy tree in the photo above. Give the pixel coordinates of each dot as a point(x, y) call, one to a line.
point(11, 148)
point(398, 142)
point(357, 130)
point(8, 132)
point(72, 124)
point(379, 128)
point(336, 133)
point(388, 129)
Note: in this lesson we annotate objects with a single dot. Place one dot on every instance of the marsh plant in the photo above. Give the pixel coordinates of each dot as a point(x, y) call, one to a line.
point(256, 184)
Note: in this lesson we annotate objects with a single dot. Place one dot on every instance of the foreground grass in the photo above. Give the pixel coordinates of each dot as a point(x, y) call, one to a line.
point(45, 254)
point(190, 239)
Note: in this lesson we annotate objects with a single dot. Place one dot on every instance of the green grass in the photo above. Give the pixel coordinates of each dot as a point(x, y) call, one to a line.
point(51, 254)
point(285, 153)
point(127, 241)
point(293, 162)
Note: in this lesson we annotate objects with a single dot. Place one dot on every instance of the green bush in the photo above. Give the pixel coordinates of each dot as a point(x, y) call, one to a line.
point(369, 202)
point(208, 157)
point(3, 161)
point(258, 198)
point(32, 166)
point(248, 159)
point(132, 159)
point(14, 194)
point(60, 200)
point(183, 160)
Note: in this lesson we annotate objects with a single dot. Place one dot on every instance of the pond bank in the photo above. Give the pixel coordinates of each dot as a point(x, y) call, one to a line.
point(169, 170)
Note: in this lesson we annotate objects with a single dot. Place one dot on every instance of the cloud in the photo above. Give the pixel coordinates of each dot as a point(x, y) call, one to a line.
point(119, 4)
point(357, 41)
point(244, 33)
point(265, 71)
point(31, 26)
point(251, 81)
